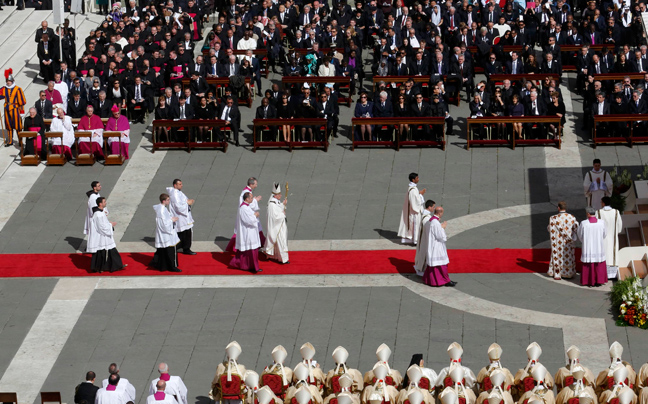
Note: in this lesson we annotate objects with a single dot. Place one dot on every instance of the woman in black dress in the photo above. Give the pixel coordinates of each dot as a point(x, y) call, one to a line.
point(285, 111)
point(556, 107)
point(162, 111)
point(204, 111)
point(402, 109)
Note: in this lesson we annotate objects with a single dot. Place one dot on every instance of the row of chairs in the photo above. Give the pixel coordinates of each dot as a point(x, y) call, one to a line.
point(46, 397)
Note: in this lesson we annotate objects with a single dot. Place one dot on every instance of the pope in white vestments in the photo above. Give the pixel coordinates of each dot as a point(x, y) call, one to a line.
point(166, 238)
point(180, 207)
point(420, 259)
point(276, 245)
point(101, 243)
point(410, 220)
point(613, 226)
point(597, 184)
point(62, 123)
point(247, 237)
point(592, 234)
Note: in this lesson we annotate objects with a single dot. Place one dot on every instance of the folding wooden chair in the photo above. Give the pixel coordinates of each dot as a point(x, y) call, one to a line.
point(9, 398)
point(50, 397)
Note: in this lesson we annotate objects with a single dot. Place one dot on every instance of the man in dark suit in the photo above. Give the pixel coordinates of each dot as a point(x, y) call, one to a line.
point(583, 63)
point(231, 68)
point(597, 67)
point(86, 391)
point(493, 66)
point(47, 52)
point(420, 108)
point(600, 107)
point(326, 109)
point(418, 66)
point(550, 66)
point(102, 106)
point(198, 85)
point(76, 107)
point(637, 106)
point(229, 112)
point(515, 65)
point(400, 68)
point(490, 15)
point(137, 100)
point(439, 68)
point(43, 106)
point(198, 67)
point(267, 111)
point(44, 29)
point(534, 107)
point(462, 70)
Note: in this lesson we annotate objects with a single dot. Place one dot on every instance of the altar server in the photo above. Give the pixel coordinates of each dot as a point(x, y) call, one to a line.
point(436, 272)
point(62, 123)
point(252, 184)
point(118, 123)
point(101, 243)
point(111, 393)
point(91, 123)
point(596, 184)
point(180, 207)
point(161, 396)
point(276, 245)
point(166, 237)
point(613, 226)
point(420, 260)
point(174, 385)
point(592, 233)
point(410, 220)
point(247, 237)
point(93, 194)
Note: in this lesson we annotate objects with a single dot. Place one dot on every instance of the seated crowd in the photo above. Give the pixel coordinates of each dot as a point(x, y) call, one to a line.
point(140, 55)
point(307, 383)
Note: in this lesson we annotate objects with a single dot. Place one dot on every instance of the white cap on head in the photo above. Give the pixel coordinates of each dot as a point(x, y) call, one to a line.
point(534, 351)
point(456, 373)
point(345, 380)
point(455, 351)
point(279, 355)
point(383, 353)
point(303, 395)
point(625, 395)
point(340, 356)
point(251, 379)
point(616, 351)
point(415, 397)
point(449, 396)
point(573, 353)
point(308, 352)
point(494, 352)
point(494, 398)
point(415, 374)
point(538, 373)
point(276, 188)
point(264, 395)
point(380, 371)
point(578, 372)
point(344, 398)
point(233, 350)
point(620, 375)
point(497, 377)
point(301, 371)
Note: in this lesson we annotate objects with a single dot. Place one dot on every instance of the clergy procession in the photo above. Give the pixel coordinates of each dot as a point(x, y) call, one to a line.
point(308, 383)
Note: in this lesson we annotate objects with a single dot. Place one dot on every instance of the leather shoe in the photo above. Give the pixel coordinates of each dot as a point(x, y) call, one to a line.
point(256, 272)
point(175, 270)
point(451, 284)
point(189, 252)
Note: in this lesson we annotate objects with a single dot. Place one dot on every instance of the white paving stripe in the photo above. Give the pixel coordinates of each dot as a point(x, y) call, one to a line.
point(15, 183)
point(589, 334)
point(41, 347)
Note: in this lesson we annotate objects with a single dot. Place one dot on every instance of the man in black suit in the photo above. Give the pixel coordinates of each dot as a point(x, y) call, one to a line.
point(43, 106)
point(47, 52)
point(534, 107)
point(420, 108)
point(597, 67)
point(515, 65)
point(267, 111)
point(86, 391)
point(463, 72)
point(550, 66)
point(325, 109)
point(198, 67)
point(439, 68)
point(231, 68)
point(419, 66)
point(493, 66)
point(601, 107)
point(76, 107)
point(229, 112)
point(137, 100)
point(198, 84)
point(102, 106)
point(490, 15)
point(637, 106)
point(583, 63)
point(44, 29)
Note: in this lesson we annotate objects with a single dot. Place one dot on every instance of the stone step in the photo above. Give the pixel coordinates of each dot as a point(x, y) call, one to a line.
point(640, 268)
point(642, 208)
point(6, 12)
point(624, 273)
point(634, 237)
point(13, 25)
point(23, 48)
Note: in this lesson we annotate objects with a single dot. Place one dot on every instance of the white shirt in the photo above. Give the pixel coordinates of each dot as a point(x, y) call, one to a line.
point(161, 398)
point(174, 387)
point(165, 233)
point(247, 229)
point(111, 397)
point(125, 386)
point(180, 208)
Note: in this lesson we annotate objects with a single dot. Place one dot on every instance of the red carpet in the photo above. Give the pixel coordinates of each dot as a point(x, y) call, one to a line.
point(301, 263)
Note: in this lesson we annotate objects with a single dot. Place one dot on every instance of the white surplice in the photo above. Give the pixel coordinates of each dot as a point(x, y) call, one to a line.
point(92, 203)
point(592, 236)
point(276, 245)
point(411, 214)
point(164, 398)
point(116, 396)
point(180, 208)
point(613, 226)
point(437, 253)
point(594, 191)
point(62, 125)
point(165, 233)
point(62, 88)
point(101, 233)
point(254, 205)
point(174, 386)
point(420, 260)
point(247, 231)
point(124, 386)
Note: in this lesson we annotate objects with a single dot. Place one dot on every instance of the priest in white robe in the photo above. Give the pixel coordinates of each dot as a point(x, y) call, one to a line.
point(174, 385)
point(436, 273)
point(613, 226)
point(180, 207)
point(592, 234)
point(62, 123)
point(247, 237)
point(111, 393)
point(161, 396)
point(123, 384)
point(93, 194)
point(410, 220)
point(252, 184)
point(276, 245)
point(562, 233)
point(597, 184)
point(420, 259)
point(101, 243)
point(166, 237)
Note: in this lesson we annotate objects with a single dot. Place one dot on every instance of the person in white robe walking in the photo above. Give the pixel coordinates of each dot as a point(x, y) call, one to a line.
point(420, 259)
point(174, 385)
point(247, 237)
point(597, 184)
point(166, 237)
point(101, 243)
point(613, 226)
point(436, 272)
point(276, 245)
point(111, 392)
point(160, 396)
point(180, 207)
point(122, 383)
point(93, 194)
point(410, 220)
point(592, 234)
point(252, 184)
